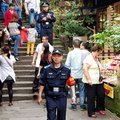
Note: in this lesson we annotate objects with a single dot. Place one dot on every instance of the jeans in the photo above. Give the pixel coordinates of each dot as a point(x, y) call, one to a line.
point(16, 39)
point(18, 10)
point(82, 92)
point(4, 8)
point(34, 16)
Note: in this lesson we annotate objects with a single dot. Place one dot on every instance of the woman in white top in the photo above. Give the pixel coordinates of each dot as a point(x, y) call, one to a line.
point(7, 74)
point(94, 86)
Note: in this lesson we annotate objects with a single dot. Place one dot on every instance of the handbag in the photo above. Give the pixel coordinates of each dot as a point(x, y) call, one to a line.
point(9, 78)
point(100, 78)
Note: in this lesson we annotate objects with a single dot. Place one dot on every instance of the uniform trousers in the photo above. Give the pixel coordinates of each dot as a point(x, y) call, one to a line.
point(47, 32)
point(56, 104)
point(30, 47)
point(95, 92)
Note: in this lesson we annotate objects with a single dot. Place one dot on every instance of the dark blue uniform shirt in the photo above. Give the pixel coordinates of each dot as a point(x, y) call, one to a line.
point(53, 77)
point(48, 22)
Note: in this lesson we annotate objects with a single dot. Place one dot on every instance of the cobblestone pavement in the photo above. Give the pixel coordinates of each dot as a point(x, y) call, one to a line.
point(30, 110)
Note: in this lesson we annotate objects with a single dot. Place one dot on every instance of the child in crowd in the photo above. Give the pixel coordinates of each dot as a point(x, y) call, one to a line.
point(32, 33)
point(8, 14)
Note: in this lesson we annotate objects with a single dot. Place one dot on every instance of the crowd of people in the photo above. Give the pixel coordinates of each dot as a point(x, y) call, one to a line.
point(40, 23)
point(82, 68)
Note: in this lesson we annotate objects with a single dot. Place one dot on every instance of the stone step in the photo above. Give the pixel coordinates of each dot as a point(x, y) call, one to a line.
point(24, 57)
point(20, 78)
point(24, 72)
point(28, 60)
point(19, 90)
point(18, 97)
point(23, 67)
point(24, 62)
point(23, 84)
point(21, 53)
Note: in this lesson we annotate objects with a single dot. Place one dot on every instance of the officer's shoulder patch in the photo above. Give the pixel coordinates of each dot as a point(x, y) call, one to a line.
point(66, 67)
point(47, 66)
point(51, 12)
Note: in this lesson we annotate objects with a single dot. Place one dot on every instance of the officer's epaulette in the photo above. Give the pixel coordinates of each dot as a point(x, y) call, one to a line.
point(47, 66)
point(66, 66)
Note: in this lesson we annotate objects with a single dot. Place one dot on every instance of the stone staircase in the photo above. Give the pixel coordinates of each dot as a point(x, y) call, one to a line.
point(22, 89)
point(25, 74)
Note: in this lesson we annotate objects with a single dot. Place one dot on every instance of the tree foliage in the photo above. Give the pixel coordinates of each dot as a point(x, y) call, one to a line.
point(110, 36)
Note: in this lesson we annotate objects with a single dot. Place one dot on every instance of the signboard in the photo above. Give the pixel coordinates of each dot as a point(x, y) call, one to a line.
point(81, 38)
point(109, 91)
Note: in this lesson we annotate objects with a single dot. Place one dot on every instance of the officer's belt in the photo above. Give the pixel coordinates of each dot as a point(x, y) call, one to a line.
point(57, 89)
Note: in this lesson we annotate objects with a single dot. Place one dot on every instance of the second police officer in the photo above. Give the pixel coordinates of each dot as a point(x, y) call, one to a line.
point(46, 19)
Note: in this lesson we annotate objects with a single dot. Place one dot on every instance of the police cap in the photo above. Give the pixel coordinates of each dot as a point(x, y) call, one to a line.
point(45, 4)
point(57, 51)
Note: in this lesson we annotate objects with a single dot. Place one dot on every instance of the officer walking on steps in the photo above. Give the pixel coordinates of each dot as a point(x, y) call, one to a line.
point(46, 19)
point(54, 81)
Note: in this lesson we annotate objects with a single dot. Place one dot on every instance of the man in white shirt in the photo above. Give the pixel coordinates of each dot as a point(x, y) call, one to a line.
point(37, 57)
point(32, 9)
point(75, 62)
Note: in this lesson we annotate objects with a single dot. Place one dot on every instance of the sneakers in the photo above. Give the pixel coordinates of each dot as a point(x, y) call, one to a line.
point(73, 107)
point(78, 103)
point(10, 104)
point(29, 55)
point(82, 109)
point(101, 112)
point(1, 104)
point(17, 59)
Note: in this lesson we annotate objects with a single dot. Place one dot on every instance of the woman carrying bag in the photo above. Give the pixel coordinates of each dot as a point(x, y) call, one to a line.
point(7, 74)
point(93, 84)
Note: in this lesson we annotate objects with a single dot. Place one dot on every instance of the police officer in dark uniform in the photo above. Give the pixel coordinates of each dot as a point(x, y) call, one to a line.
point(46, 18)
point(54, 79)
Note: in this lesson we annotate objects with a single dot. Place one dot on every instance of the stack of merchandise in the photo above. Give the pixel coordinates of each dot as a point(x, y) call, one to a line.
point(111, 70)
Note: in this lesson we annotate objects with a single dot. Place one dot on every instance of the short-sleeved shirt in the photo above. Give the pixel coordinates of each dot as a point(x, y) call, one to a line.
point(39, 51)
point(74, 62)
point(93, 69)
point(32, 33)
point(5, 68)
point(33, 4)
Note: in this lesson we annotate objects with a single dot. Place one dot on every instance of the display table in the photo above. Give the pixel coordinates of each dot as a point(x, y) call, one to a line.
point(111, 78)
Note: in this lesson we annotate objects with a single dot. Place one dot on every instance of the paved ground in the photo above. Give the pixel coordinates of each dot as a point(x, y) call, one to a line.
point(30, 110)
